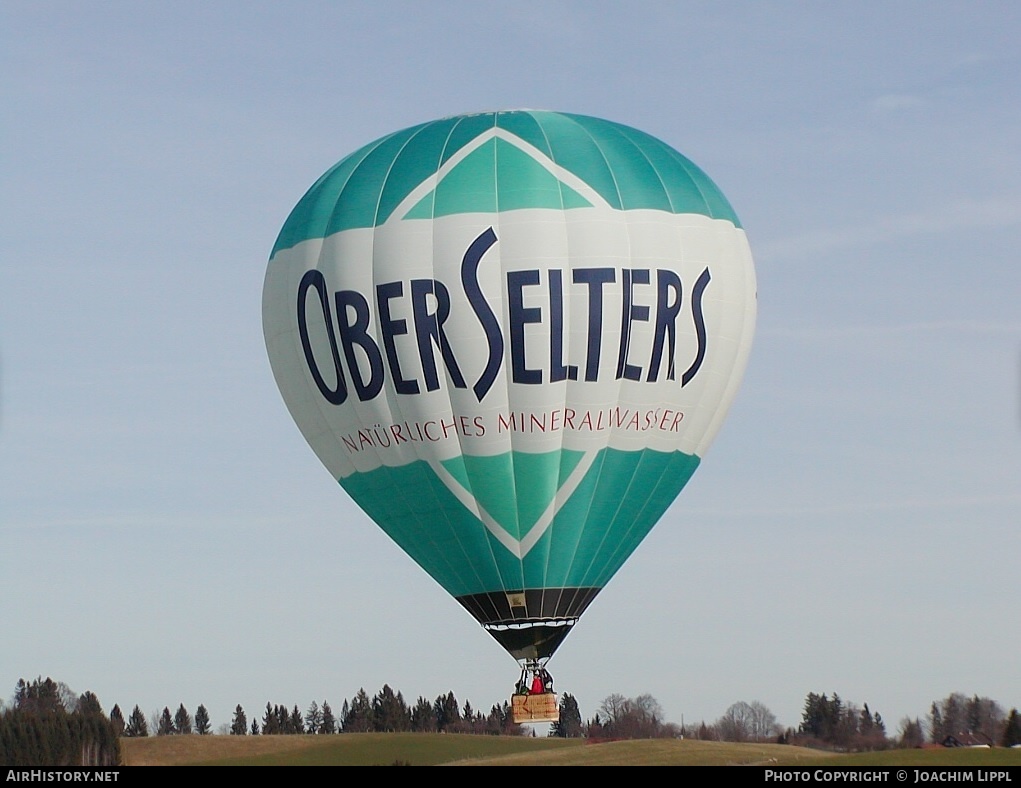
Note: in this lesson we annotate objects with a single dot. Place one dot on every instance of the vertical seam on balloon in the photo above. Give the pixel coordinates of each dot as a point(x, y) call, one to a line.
point(550, 531)
point(620, 380)
point(454, 574)
point(453, 530)
point(479, 583)
point(485, 534)
point(317, 403)
point(507, 381)
point(319, 263)
point(598, 464)
point(742, 339)
point(439, 556)
point(580, 122)
point(601, 454)
point(320, 257)
point(685, 165)
point(322, 233)
point(598, 457)
point(618, 556)
point(663, 479)
point(622, 131)
point(391, 404)
point(591, 571)
point(375, 329)
point(436, 502)
point(418, 130)
point(593, 565)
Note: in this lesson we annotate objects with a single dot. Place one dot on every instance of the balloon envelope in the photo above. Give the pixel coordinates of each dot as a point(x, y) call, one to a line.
point(511, 336)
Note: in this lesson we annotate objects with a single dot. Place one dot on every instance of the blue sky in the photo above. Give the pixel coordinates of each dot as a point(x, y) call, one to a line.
point(167, 536)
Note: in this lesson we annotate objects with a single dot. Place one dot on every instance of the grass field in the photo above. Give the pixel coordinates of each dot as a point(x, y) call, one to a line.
point(433, 749)
point(353, 749)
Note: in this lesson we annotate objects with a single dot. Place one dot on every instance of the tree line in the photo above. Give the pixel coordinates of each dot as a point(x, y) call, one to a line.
point(384, 712)
point(48, 725)
point(828, 721)
point(982, 719)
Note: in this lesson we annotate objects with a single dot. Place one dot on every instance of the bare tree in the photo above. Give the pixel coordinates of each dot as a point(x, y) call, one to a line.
point(736, 723)
point(763, 723)
point(68, 697)
point(613, 707)
point(631, 718)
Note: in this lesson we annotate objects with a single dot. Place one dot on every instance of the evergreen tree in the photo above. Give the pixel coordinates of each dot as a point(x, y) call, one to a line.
point(813, 718)
point(359, 716)
point(973, 714)
point(957, 714)
point(201, 721)
point(834, 716)
point(389, 711)
point(509, 728)
point(447, 712)
point(569, 725)
point(985, 717)
point(1012, 732)
point(166, 724)
point(423, 716)
point(297, 724)
point(843, 724)
point(911, 734)
point(270, 724)
point(329, 722)
point(313, 718)
point(41, 696)
point(239, 725)
point(954, 718)
point(88, 705)
point(494, 721)
point(865, 721)
point(255, 727)
point(182, 720)
point(936, 732)
point(137, 726)
point(829, 719)
point(50, 726)
point(117, 720)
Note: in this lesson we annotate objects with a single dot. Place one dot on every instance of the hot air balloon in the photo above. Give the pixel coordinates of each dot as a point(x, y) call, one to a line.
point(510, 337)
